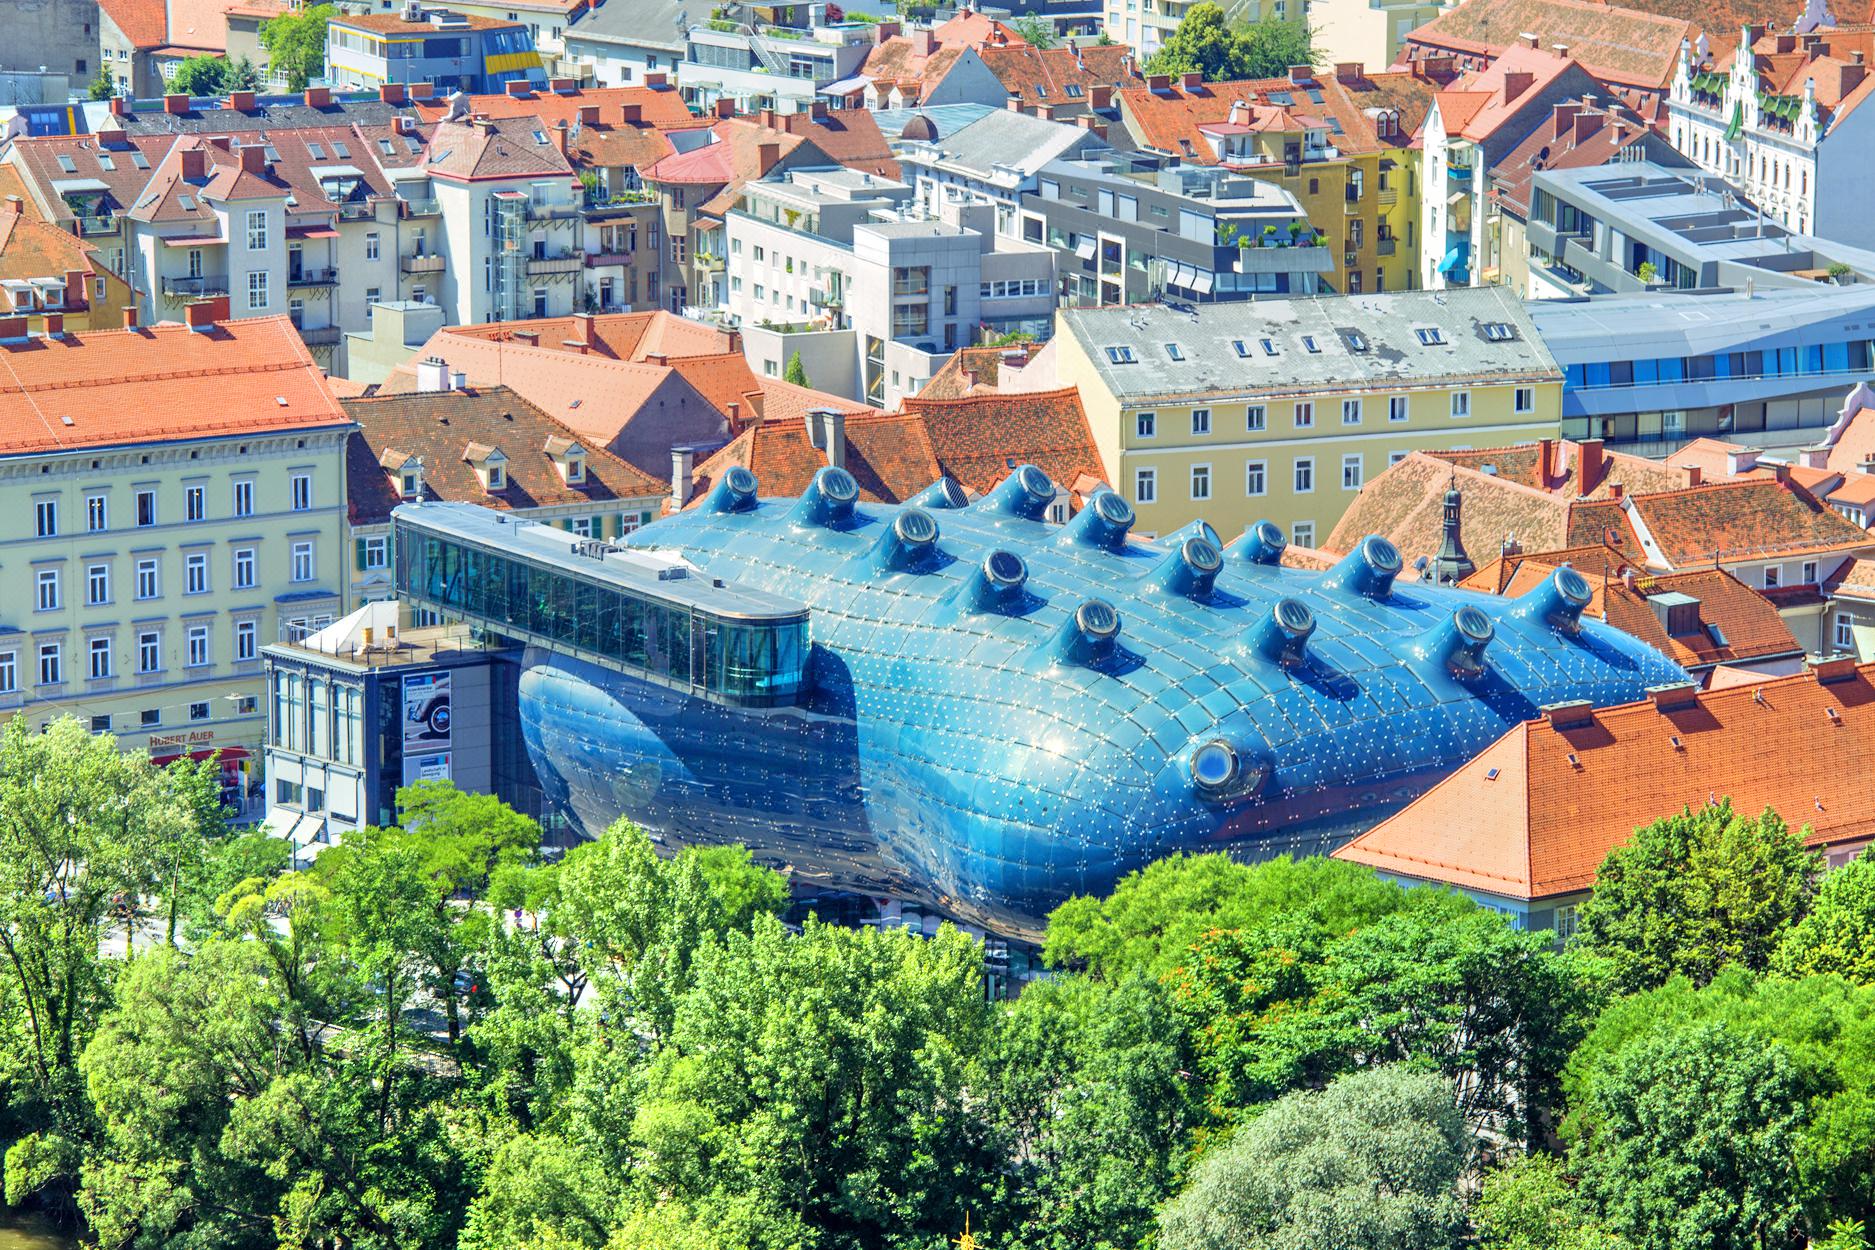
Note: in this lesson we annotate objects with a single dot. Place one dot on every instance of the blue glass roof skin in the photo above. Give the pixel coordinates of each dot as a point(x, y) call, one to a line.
point(1014, 712)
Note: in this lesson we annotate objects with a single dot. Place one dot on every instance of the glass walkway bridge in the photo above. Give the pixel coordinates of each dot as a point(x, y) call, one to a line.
point(647, 615)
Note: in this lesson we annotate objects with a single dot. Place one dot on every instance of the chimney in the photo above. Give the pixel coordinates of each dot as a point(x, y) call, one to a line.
point(1852, 75)
point(120, 106)
point(392, 93)
point(559, 136)
point(1158, 82)
point(194, 164)
point(1780, 471)
point(923, 42)
point(1588, 465)
point(1694, 474)
point(1092, 124)
point(631, 114)
point(562, 86)
point(735, 416)
point(1673, 695)
point(735, 343)
point(582, 326)
point(1563, 118)
point(519, 89)
point(422, 90)
point(241, 101)
point(1190, 82)
point(318, 97)
point(657, 359)
point(1545, 462)
point(1100, 96)
point(254, 159)
point(834, 423)
point(12, 328)
point(1814, 457)
point(1528, 39)
point(1571, 715)
point(1617, 491)
point(55, 325)
point(817, 109)
point(1560, 49)
point(15, 205)
point(202, 315)
point(130, 316)
point(767, 155)
point(175, 104)
point(1300, 74)
point(1350, 71)
point(458, 380)
point(1741, 460)
point(432, 375)
point(883, 31)
point(1516, 82)
point(75, 280)
point(655, 81)
point(589, 114)
point(725, 108)
point(997, 38)
point(683, 461)
point(1587, 123)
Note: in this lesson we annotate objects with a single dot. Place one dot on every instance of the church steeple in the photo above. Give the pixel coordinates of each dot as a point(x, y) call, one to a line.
point(1452, 565)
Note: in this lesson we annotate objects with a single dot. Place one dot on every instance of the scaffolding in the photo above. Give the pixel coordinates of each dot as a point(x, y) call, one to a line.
point(511, 252)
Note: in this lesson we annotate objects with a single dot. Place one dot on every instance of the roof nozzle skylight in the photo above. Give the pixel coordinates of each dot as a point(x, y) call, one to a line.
point(1558, 599)
point(1025, 493)
point(1368, 570)
point(1263, 543)
point(1191, 570)
point(735, 491)
point(909, 544)
point(944, 495)
point(995, 585)
point(1220, 770)
point(828, 500)
point(1459, 641)
point(1283, 635)
point(1090, 635)
point(1104, 522)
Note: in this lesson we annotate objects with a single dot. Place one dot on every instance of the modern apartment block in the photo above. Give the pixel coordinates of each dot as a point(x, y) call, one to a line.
point(1281, 410)
point(874, 292)
point(1198, 233)
point(768, 67)
point(449, 50)
point(1650, 371)
point(173, 500)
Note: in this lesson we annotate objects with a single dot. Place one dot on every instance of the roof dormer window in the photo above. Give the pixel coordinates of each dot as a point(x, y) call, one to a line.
point(575, 467)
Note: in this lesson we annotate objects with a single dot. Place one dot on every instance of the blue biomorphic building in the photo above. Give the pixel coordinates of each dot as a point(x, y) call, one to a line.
point(957, 702)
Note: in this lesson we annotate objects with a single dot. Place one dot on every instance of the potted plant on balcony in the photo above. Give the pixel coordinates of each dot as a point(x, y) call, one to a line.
point(1269, 235)
point(1647, 273)
point(1295, 231)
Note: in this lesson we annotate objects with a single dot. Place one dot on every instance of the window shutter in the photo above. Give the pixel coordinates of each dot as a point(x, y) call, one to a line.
point(361, 555)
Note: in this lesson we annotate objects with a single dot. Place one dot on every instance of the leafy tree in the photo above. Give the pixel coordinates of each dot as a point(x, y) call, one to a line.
point(739, 888)
point(1693, 892)
point(296, 44)
point(1207, 43)
point(1090, 1099)
point(796, 372)
point(1155, 916)
point(822, 1079)
point(102, 88)
point(463, 836)
point(83, 830)
point(1531, 1203)
point(242, 75)
point(1038, 30)
point(1687, 1141)
point(1370, 1163)
point(203, 75)
point(1838, 935)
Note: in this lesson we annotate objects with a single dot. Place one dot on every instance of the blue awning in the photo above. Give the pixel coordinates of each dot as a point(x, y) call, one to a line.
point(1456, 258)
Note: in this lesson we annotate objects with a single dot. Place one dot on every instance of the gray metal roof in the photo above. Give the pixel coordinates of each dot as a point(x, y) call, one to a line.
point(1358, 340)
point(640, 23)
point(948, 118)
point(1692, 323)
point(270, 113)
point(1010, 140)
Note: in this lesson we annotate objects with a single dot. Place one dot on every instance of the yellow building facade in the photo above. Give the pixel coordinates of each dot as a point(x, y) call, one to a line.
point(1283, 409)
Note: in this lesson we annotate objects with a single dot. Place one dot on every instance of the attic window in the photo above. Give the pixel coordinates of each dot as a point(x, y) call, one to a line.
point(106, 163)
point(67, 164)
point(1120, 356)
point(1717, 635)
point(1175, 351)
point(316, 151)
point(1074, 90)
point(139, 160)
point(496, 476)
point(1269, 347)
point(271, 153)
point(186, 203)
point(1240, 347)
point(384, 146)
point(1499, 332)
point(540, 137)
point(280, 399)
point(1041, 92)
point(576, 468)
point(411, 484)
point(1309, 344)
point(1430, 336)
point(1490, 774)
point(1356, 341)
point(341, 151)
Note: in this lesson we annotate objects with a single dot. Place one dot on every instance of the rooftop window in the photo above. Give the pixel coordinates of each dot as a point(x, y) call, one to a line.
point(1309, 344)
point(1499, 332)
point(1120, 356)
point(1175, 351)
point(1430, 336)
point(1240, 347)
point(67, 164)
point(1356, 341)
point(1269, 347)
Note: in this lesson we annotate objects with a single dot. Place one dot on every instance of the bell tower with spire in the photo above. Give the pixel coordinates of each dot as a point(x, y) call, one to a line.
point(1452, 565)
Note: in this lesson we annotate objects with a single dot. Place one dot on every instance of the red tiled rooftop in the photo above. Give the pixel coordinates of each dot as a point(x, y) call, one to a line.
point(1740, 520)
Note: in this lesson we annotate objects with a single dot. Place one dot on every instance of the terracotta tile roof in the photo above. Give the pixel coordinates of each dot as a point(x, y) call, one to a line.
point(1734, 624)
point(1741, 520)
point(1534, 815)
point(898, 61)
point(1712, 456)
point(32, 249)
point(144, 22)
point(1857, 490)
point(969, 371)
point(612, 142)
point(394, 23)
point(784, 401)
point(112, 387)
point(1854, 580)
point(1576, 136)
point(1510, 85)
point(498, 147)
point(621, 336)
point(38, 165)
point(1620, 45)
point(723, 380)
point(972, 27)
point(12, 184)
point(849, 137)
point(979, 439)
point(1062, 74)
point(1405, 504)
point(170, 196)
point(440, 427)
point(1828, 66)
point(889, 454)
point(1167, 120)
point(734, 158)
point(1855, 445)
point(1572, 470)
point(199, 24)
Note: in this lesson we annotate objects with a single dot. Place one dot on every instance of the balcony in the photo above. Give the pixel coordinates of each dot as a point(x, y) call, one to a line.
point(1385, 247)
point(89, 226)
point(543, 265)
point(193, 288)
point(422, 208)
point(428, 262)
point(826, 297)
point(1387, 197)
point(320, 336)
point(552, 212)
point(599, 260)
point(313, 277)
point(709, 262)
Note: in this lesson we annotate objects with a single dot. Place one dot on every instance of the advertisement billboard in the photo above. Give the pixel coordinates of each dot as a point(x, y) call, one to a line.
point(426, 727)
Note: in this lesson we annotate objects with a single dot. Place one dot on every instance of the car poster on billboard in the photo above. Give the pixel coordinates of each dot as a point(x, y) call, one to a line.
point(426, 727)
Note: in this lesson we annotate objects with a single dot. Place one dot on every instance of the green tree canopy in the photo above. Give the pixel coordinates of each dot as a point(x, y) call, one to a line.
point(1530, 1203)
point(1038, 30)
point(296, 44)
point(203, 75)
point(796, 372)
point(1691, 893)
point(1838, 935)
point(1370, 1163)
point(102, 88)
point(1207, 42)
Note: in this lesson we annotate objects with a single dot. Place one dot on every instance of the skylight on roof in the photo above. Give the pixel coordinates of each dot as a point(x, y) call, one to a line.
point(106, 163)
point(341, 151)
point(186, 203)
point(1269, 347)
point(540, 136)
point(1074, 90)
point(316, 151)
point(1429, 336)
point(384, 146)
point(1240, 347)
point(67, 164)
point(272, 153)
point(1356, 340)
point(139, 160)
point(1120, 355)
point(1309, 343)
point(1499, 332)
point(1175, 351)
point(1041, 91)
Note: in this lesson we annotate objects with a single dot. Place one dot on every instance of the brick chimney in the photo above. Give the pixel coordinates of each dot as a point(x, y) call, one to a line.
point(817, 109)
point(202, 315)
point(241, 101)
point(1092, 124)
point(15, 205)
point(392, 93)
point(520, 89)
point(1694, 474)
point(559, 136)
point(1516, 82)
point(175, 104)
point(254, 159)
point(120, 106)
point(658, 359)
point(562, 86)
point(194, 163)
point(631, 114)
point(1742, 460)
point(1158, 82)
point(725, 108)
point(422, 90)
point(1780, 471)
point(75, 288)
point(1350, 71)
point(1528, 39)
point(1190, 82)
point(766, 155)
point(883, 31)
point(1588, 121)
point(1300, 74)
point(318, 97)
point(1545, 462)
point(1563, 118)
point(657, 80)
point(1589, 465)
point(767, 118)
point(13, 328)
point(1100, 97)
point(130, 316)
point(1814, 457)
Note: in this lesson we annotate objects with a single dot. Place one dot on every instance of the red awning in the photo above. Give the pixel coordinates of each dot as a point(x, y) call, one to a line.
point(228, 755)
point(312, 232)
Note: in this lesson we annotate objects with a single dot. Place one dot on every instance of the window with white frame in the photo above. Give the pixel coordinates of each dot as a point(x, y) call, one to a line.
point(1351, 471)
point(302, 492)
point(47, 581)
point(257, 294)
point(51, 663)
point(1461, 403)
point(244, 568)
point(1565, 922)
point(245, 634)
point(377, 552)
point(198, 646)
point(1200, 481)
point(257, 230)
point(97, 513)
point(194, 503)
point(100, 658)
point(1305, 475)
point(1350, 412)
point(1256, 478)
point(1200, 420)
point(1772, 576)
point(149, 651)
point(1146, 425)
point(1145, 485)
point(1302, 534)
point(1525, 399)
point(1809, 573)
point(97, 584)
point(9, 672)
point(46, 518)
point(146, 508)
point(302, 562)
point(1253, 418)
point(195, 573)
point(371, 245)
point(1396, 408)
point(244, 497)
point(1845, 632)
point(1305, 415)
point(149, 586)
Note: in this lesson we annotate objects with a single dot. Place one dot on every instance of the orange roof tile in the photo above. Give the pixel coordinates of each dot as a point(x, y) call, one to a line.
point(1167, 120)
point(1741, 520)
point(1857, 490)
point(1512, 86)
point(1534, 815)
point(1621, 45)
point(610, 143)
point(497, 147)
point(888, 454)
point(972, 27)
point(115, 387)
point(1855, 445)
point(1058, 76)
point(144, 22)
point(978, 439)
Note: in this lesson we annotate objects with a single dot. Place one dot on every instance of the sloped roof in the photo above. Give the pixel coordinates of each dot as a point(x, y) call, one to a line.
point(621, 336)
point(888, 454)
point(37, 161)
point(169, 196)
point(199, 24)
point(496, 147)
point(144, 22)
point(1569, 469)
point(898, 61)
point(1060, 75)
point(32, 249)
point(1744, 519)
point(978, 439)
point(972, 27)
point(438, 427)
point(1534, 815)
point(394, 23)
point(1623, 45)
point(612, 142)
point(1855, 446)
point(849, 137)
point(1576, 136)
point(1510, 86)
point(1167, 120)
point(109, 387)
